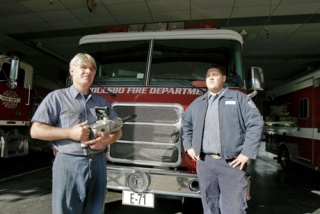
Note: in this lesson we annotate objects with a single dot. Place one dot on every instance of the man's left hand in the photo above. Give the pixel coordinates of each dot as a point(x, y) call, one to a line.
point(102, 140)
point(240, 160)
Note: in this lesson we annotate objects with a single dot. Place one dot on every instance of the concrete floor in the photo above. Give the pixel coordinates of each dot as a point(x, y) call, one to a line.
point(273, 191)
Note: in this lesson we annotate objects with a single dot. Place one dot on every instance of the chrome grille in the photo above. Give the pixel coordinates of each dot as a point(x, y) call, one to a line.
point(150, 113)
point(152, 138)
point(150, 133)
point(145, 152)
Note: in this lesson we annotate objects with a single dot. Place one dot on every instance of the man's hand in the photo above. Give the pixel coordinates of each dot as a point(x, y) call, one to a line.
point(240, 160)
point(43, 131)
point(79, 133)
point(103, 139)
point(192, 154)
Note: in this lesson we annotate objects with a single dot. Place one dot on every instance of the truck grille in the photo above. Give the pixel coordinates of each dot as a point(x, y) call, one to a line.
point(152, 138)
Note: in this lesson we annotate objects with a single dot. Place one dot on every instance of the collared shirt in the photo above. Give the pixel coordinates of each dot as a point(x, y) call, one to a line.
point(211, 135)
point(66, 108)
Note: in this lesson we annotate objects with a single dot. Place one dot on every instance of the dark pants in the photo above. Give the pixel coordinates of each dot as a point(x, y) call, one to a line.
point(223, 188)
point(79, 184)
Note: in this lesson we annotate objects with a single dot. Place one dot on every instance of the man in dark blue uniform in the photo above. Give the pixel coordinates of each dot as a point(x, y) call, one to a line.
point(222, 131)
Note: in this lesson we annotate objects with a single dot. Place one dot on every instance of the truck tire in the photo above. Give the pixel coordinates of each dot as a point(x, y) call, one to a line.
point(284, 158)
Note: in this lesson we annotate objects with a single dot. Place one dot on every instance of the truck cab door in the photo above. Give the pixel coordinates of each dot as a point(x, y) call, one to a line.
point(304, 102)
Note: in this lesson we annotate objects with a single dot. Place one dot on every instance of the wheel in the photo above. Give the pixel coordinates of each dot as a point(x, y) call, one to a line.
point(284, 158)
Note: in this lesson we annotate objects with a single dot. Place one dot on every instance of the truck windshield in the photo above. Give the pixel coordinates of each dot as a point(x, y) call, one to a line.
point(172, 62)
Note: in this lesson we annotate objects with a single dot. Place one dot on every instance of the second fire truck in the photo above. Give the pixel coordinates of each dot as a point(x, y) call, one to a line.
point(292, 118)
point(20, 94)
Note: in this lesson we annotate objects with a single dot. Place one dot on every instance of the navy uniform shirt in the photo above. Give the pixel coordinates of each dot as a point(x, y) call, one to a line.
point(211, 135)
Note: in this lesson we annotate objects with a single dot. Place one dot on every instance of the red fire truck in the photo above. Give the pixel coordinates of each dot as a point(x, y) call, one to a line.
point(292, 118)
point(155, 71)
point(18, 100)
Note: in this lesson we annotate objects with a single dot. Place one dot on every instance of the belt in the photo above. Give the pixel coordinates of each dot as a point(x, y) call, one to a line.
point(212, 155)
point(90, 156)
point(215, 155)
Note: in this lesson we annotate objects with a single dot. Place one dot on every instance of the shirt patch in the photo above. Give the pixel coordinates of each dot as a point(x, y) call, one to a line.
point(230, 102)
point(251, 104)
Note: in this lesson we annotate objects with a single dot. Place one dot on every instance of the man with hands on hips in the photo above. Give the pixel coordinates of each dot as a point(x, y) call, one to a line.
point(221, 131)
point(79, 179)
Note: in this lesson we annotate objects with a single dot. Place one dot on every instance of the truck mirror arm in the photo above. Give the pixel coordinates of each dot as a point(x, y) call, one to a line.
point(14, 70)
point(254, 93)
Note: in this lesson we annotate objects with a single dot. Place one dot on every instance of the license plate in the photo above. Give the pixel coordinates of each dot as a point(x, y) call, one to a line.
point(138, 199)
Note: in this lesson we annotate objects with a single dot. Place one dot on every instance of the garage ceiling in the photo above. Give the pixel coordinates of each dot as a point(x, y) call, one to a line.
point(281, 36)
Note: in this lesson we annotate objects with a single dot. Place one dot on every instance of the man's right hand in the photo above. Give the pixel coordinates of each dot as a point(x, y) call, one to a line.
point(79, 133)
point(43, 131)
point(192, 154)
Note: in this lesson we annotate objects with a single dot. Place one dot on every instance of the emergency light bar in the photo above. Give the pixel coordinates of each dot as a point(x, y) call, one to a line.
point(161, 26)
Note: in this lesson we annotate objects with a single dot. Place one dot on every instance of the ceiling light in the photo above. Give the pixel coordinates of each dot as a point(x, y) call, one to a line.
point(244, 34)
point(91, 5)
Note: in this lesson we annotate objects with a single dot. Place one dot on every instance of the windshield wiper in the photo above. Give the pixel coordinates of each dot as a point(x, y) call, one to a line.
point(113, 95)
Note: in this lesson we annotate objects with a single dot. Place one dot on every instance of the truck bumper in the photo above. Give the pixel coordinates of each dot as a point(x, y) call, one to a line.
point(151, 180)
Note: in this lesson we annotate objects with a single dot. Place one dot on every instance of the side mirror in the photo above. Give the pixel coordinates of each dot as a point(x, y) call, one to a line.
point(256, 79)
point(14, 70)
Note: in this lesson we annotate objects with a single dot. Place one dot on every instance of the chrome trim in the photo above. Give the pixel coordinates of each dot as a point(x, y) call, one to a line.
point(29, 90)
point(162, 181)
point(146, 140)
point(14, 123)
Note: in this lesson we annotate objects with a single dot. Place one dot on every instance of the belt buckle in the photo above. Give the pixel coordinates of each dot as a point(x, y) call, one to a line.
point(91, 156)
point(216, 156)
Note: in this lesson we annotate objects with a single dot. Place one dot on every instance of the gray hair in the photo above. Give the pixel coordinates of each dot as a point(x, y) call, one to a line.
point(81, 59)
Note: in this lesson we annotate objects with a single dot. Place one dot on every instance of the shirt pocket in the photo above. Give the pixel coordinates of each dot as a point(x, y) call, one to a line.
point(70, 119)
point(230, 108)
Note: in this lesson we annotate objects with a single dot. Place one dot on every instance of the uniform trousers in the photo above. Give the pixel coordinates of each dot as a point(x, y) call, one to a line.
point(78, 184)
point(223, 188)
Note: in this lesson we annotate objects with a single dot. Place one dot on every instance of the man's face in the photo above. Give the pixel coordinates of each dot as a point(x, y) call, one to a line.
point(215, 80)
point(83, 74)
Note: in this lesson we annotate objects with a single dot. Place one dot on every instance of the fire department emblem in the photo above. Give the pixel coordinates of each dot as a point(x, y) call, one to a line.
point(10, 99)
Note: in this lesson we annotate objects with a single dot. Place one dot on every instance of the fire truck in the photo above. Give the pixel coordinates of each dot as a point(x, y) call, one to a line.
point(292, 118)
point(18, 100)
point(154, 71)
